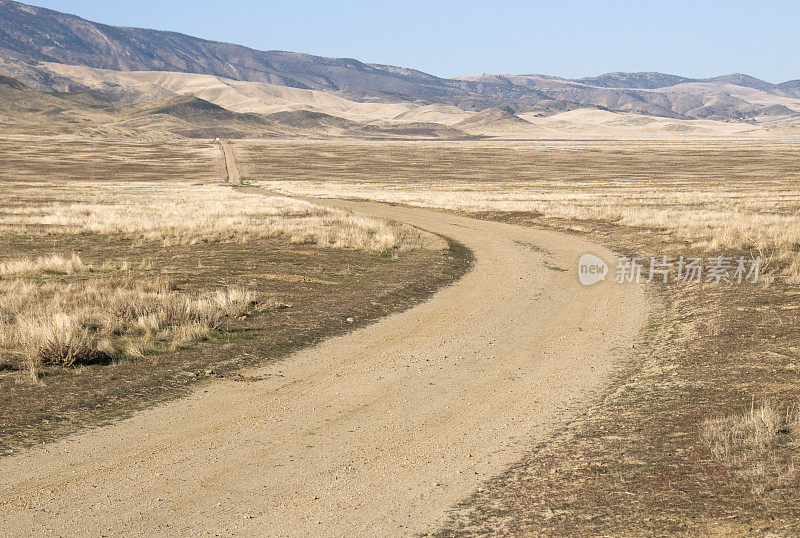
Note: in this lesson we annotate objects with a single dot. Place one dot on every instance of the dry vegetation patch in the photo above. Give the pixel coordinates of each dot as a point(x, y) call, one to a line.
point(303, 293)
point(46, 159)
point(103, 319)
point(191, 214)
point(54, 264)
point(755, 444)
point(63, 322)
point(127, 272)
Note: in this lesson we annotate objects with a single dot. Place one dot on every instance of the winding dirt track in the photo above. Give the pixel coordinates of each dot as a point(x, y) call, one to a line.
point(374, 433)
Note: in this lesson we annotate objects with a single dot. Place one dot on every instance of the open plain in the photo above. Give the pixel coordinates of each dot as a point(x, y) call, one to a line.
point(267, 293)
point(698, 430)
point(442, 398)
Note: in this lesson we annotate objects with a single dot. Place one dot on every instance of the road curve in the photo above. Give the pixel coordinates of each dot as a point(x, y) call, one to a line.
point(377, 432)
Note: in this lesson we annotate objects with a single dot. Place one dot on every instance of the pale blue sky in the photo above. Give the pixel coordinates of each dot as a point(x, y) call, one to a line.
point(448, 38)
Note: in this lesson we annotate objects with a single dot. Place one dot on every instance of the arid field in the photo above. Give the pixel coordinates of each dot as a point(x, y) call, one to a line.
point(132, 271)
point(125, 254)
point(708, 406)
point(442, 269)
point(731, 196)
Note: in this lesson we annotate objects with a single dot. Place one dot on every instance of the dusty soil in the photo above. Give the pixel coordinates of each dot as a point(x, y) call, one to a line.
point(374, 432)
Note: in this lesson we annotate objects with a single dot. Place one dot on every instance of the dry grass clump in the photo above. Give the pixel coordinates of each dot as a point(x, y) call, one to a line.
point(191, 214)
point(95, 321)
point(55, 264)
point(755, 444)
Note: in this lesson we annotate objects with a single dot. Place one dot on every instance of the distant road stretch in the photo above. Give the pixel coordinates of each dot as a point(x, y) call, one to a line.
point(230, 163)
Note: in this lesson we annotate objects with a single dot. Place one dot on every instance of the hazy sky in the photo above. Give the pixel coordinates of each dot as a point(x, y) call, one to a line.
point(448, 38)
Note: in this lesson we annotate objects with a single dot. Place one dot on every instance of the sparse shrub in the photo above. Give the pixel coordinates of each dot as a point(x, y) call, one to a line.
point(55, 339)
point(57, 324)
point(760, 445)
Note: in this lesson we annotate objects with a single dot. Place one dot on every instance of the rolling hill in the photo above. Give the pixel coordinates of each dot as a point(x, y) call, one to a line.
point(76, 71)
point(31, 35)
point(24, 110)
point(495, 121)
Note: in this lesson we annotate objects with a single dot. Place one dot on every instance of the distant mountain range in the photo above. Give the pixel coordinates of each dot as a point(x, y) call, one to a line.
point(36, 44)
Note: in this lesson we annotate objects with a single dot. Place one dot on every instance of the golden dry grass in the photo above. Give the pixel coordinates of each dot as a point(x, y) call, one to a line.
point(54, 264)
point(66, 187)
point(748, 442)
point(63, 323)
point(104, 318)
point(190, 214)
point(709, 220)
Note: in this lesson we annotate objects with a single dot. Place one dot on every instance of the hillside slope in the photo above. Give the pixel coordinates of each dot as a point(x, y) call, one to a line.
point(37, 35)
point(495, 121)
point(52, 51)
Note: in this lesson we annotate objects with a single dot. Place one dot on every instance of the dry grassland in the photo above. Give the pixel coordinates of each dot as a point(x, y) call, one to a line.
point(100, 319)
point(102, 316)
point(182, 213)
point(752, 442)
point(45, 159)
point(741, 196)
point(129, 270)
point(671, 433)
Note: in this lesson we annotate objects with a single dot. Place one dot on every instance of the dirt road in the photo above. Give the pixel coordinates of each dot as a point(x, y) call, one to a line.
point(374, 433)
point(234, 176)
